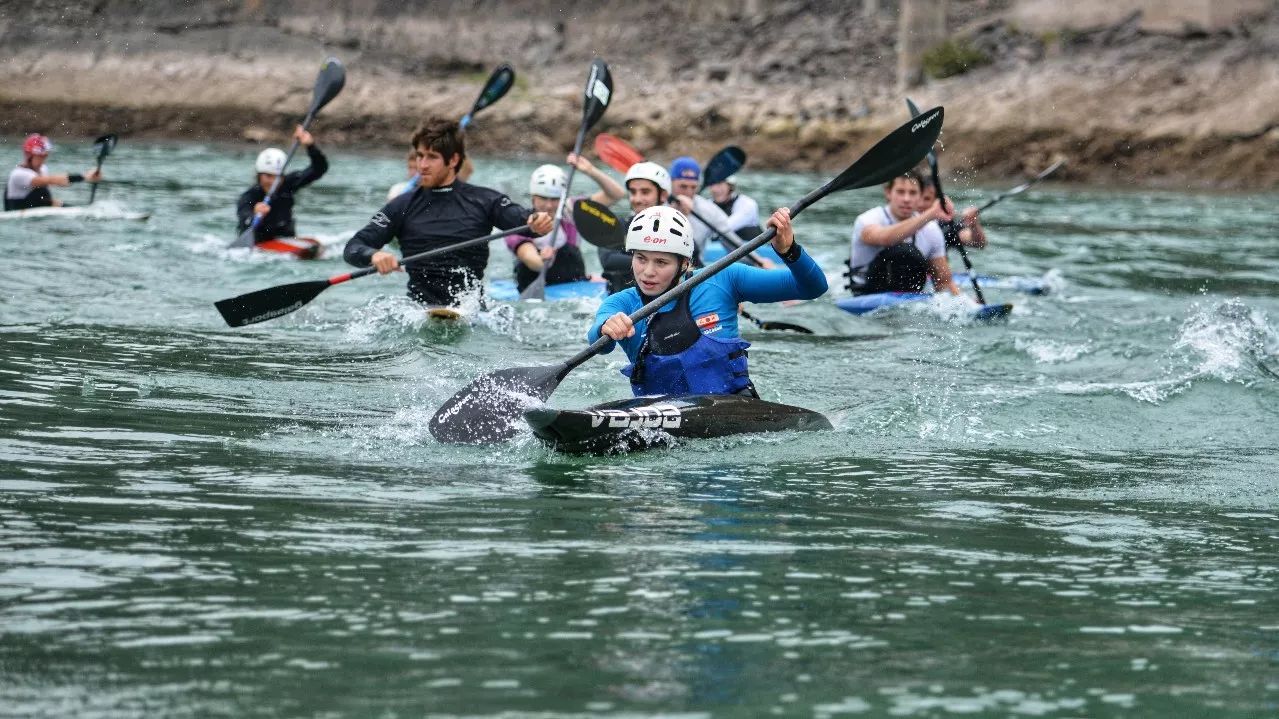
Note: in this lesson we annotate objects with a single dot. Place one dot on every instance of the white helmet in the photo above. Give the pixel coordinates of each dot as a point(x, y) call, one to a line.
point(547, 181)
point(661, 228)
point(652, 172)
point(270, 161)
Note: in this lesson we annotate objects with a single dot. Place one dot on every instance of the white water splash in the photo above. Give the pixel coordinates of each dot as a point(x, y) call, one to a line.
point(1228, 341)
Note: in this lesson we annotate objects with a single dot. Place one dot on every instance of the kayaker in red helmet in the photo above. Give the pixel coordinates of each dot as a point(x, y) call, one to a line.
point(30, 181)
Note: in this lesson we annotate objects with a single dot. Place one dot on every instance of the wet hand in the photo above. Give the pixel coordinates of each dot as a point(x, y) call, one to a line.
point(785, 233)
point(618, 327)
point(938, 212)
point(93, 175)
point(548, 253)
point(970, 215)
point(581, 163)
point(540, 222)
point(685, 204)
point(385, 262)
point(261, 209)
point(304, 137)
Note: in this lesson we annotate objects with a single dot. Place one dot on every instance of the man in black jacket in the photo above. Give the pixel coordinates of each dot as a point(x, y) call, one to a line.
point(441, 211)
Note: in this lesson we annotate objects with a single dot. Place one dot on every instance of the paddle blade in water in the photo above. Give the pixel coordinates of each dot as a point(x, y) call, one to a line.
point(723, 165)
point(263, 305)
point(489, 409)
point(784, 326)
point(598, 226)
point(328, 84)
point(598, 93)
point(616, 152)
point(987, 313)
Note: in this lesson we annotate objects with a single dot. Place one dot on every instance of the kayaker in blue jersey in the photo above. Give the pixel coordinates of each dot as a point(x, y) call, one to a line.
point(692, 346)
point(545, 187)
point(742, 211)
point(30, 181)
point(966, 230)
point(278, 216)
point(647, 184)
point(442, 210)
point(895, 248)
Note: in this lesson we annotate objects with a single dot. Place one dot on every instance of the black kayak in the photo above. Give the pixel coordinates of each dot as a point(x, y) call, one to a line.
point(640, 423)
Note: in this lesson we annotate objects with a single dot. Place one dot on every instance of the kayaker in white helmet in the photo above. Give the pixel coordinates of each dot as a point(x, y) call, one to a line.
point(693, 346)
point(442, 210)
point(546, 184)
point(277, 218)
point(647, 184)
point(742, 211)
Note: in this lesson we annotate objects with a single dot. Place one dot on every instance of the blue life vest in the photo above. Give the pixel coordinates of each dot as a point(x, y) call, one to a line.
point(676, 358)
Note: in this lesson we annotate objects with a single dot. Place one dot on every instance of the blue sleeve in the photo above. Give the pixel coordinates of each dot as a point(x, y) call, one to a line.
point(625, 301)
point(802, 279)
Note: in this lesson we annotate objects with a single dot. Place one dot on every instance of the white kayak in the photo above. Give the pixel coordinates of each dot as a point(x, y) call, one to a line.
point(100, 212)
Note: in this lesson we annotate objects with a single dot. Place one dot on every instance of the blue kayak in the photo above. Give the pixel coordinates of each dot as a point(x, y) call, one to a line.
point(505, 291)
point(863, 304)
point(1025, 285)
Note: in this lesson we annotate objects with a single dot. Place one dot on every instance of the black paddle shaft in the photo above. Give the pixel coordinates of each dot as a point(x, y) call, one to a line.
point(1022, 187)
point(262, 305)
point(596, 98)
point(941, 198)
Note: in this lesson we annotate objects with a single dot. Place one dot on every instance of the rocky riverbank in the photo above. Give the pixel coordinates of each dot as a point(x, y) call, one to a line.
point(800, 85)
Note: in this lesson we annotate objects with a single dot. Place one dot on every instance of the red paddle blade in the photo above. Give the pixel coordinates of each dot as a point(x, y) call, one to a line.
point(616, 152)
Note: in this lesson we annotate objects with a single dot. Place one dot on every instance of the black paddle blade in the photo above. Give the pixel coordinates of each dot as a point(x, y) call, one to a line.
point(784, 326)
point(599, 92)
point(723, 165)
point(598, 226)
point(105, 145)
point(488, 410)
point(263, 305)
point(499, 83)
point(328, 84)
point(932, 154)
point(990, 313)
point(901, 150)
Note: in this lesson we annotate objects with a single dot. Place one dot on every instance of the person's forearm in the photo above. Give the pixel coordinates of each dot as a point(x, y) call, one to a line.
point(889, 235)
point(610, 187)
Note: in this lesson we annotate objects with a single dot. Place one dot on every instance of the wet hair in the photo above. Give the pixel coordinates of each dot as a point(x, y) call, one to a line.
point(909, 176)
point(444, 136)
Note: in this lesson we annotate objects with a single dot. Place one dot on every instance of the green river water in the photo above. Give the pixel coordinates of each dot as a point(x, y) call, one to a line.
point(1070, 514)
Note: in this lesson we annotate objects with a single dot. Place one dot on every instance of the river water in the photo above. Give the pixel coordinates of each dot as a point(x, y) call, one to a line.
point(1072, 513)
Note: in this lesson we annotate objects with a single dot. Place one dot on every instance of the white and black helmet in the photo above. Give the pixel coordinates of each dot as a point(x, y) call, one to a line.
point(547, 181)
point(271, 161)
point(661, 228)
point(650, 171)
